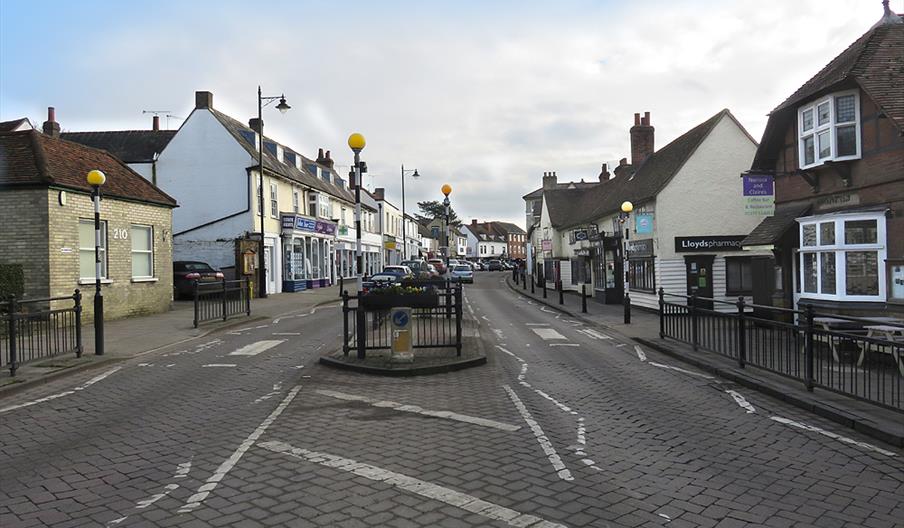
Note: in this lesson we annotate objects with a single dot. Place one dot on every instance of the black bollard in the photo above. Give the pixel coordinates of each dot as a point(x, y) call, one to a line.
point(627, 308)
point(583, 298)
point(532, 281)
point(544, 287)
point(561, 294)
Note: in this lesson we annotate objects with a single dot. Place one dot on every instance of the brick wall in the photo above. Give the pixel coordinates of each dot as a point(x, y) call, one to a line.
point(23, 214)
point(123, 295)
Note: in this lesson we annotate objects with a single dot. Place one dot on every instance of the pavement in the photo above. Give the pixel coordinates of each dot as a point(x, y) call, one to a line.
point(877, 422)
point(135, 336)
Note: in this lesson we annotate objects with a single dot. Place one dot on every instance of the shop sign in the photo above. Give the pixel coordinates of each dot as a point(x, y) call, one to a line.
point(643, 223)
point(389, 244)
point(708, 243)
point(639, 248)
point(343, 230)
point(302, 223)
point(593, 232)
point(837, 201)
point(759, 194)
point(546, 245)
point(577, 235)
point(582, 252)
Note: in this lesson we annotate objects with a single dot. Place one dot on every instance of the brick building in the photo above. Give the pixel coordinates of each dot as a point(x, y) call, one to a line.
point(48, 224)
point(836, 150)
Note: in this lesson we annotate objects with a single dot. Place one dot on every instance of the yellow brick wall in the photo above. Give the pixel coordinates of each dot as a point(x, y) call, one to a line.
point(23, 236)
point(123, 296)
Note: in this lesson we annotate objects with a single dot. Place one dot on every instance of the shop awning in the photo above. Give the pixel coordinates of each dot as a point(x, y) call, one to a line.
point(773, 228)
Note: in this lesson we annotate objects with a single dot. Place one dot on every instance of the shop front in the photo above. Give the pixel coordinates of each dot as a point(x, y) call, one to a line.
point(608, 266)
point(308, 247)
point(347, 262)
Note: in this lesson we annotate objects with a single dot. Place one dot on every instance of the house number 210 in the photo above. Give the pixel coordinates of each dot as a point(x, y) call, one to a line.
point(120, 233)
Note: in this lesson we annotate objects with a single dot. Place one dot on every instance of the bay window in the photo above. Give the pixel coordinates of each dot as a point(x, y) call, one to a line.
point(829, 129)
point(842, 257)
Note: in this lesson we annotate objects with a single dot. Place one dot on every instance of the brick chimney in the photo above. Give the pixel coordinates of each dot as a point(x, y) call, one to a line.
point(155, 123)
point(604, 173)
point(549, 180)
point(51, 127)
point(641, 139)
point(623, 168)
point(473, 222)
point(255, 124)
point(379, 193)
point(203, 100)
point(324, 159)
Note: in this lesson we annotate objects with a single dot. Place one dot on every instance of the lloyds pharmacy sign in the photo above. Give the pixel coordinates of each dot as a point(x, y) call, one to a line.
point(708, 243)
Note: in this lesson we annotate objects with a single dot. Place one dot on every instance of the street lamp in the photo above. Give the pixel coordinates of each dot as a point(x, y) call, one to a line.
point(404, 227)
point(626, 208)
point(447, 190)
point(356, 142)
point(95, 179)
point(283, 108)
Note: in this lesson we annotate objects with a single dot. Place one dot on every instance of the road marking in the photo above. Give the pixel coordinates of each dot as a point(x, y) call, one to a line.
point(834, 436)
point(596, 335)
point(499, 334)
point(414, 485)
point(740, 400)
point(537, 324)
point(256, 348)
point(81, 387)
point(669, 367)
point(156, 497)
point(195, 500)
point(548, 333)
point(183, 469)
point(215, 365)
point(640, 355)
point(277, 388)
point(287, 333)
point(564, 344)
point(554, 458)
point(449, 415)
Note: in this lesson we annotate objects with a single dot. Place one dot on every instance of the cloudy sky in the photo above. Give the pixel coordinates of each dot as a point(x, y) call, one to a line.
point(483, 95)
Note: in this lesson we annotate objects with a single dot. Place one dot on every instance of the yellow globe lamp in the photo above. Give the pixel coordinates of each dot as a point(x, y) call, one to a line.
point(356, 142)
point(627, 207)
point(447, 189)
point(96, 178)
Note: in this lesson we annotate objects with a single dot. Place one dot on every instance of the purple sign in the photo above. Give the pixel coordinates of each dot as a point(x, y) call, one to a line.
point(758, 185)
point(301, 223)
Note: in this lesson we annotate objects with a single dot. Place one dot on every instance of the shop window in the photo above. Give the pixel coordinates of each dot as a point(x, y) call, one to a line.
point(738, 276)
point(642, 274)
point(829, 129)
point(142, 251)
point(86, 249)
point(844, 262)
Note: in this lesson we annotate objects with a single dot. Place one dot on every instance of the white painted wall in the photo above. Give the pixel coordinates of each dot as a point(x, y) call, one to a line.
point(144, 169)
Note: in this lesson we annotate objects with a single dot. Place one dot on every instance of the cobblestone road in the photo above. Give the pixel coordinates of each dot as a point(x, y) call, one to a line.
point(565, 426)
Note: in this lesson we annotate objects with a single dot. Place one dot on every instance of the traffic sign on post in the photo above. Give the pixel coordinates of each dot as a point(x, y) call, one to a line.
point(402, 351)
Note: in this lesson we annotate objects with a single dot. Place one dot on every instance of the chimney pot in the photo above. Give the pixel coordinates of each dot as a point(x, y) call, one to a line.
point(646, 119)
point(319, 154)
point(51, 127)
point(636, 118)
point(203, 100)
point(155, 123)
point(328, 155)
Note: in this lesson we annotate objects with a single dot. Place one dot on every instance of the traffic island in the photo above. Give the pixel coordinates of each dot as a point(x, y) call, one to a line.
point(424, 361)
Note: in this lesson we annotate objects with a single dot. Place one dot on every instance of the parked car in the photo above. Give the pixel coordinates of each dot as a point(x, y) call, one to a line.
point(432, 270)
point(494, 265)
point(186, 272)
point(418, 267)
point(439, 265)
point(462, 273)
point(379, 280)
point(480, 266)
point(400, 272)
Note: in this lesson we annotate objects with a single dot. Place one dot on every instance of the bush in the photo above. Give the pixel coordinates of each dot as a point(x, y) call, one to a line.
point(12, 280)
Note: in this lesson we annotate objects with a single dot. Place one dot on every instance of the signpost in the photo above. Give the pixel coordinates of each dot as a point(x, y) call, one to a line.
point(402, 351)
point(759, 194)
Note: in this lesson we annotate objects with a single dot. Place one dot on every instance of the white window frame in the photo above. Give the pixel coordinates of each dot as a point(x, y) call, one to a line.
point(149, 251)
point(840, 248)
point(831, 127)
point(295, 203)
point(103, 249)
point(274, 200)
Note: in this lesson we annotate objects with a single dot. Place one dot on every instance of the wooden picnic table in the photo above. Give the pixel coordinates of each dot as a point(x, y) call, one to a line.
point(894, 335)
point(835, 324)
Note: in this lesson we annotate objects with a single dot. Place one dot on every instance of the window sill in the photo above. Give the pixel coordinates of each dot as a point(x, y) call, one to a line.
point(748, 293)
point(94, 281)
point(145, 279)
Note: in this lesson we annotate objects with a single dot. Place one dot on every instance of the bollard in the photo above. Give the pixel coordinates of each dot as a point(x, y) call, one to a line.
point(742, 337)
point(524, 281)
point(77, 297)
point(225, 294)
point(544, 287)
point(532, 281)
point(627, 302)
point(583, 298)
point(694, 328)
point(561, 293)
point(661, 313)
point(13, 339)
point(808, 349)
point(195, 297)
point(341, 286)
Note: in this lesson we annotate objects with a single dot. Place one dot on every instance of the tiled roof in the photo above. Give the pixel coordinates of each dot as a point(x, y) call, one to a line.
point(538, 193)
point(773, 228)
point(272, 164)
point(507, 228)
point(874, 62)
point(12, 126)
point(569, 207)
point(34, 159)
point(131, 146)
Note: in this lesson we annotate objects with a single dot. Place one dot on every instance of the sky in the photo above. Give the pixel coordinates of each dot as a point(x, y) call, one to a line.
point(483, 95)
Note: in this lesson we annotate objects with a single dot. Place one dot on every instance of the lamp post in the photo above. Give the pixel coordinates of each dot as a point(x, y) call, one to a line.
point(356, 142)
point(626, 208)
point(447, 190)
point(95, 179)
point(263, 101)
point(404, 223)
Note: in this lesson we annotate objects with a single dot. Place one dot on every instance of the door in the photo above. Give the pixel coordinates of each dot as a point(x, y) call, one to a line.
point(700, 278)
point(270, 267)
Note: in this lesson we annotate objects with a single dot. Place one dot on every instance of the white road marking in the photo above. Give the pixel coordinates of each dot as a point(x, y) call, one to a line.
point(669, 367)
point(548, 333)
point(156, 497)
point(256, 348)
point(640, 355)
point(485, 318)
point(564, 344)
point(834, 436)
point(195, 500)
point(214, 365)
point(183, 469)
point(554, 458)
point(596, 335)
point(414, 485)
point(114, 522)
point(145, 364)
point(554, 401)
point(498, 332)
point(741, 401)
point(449, 415)
point(287, 333)
point(63, 394)
point(171, 365)
point(582, 432)
point(277, 388)
point(260, 326)
point(537, 324)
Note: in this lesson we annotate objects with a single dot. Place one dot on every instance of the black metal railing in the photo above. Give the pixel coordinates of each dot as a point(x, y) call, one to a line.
point(39, 328)
point(436, 318)
point(217, 301)
point(855, 356)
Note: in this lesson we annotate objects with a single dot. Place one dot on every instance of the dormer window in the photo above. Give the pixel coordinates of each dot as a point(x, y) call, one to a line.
point(829, 129)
